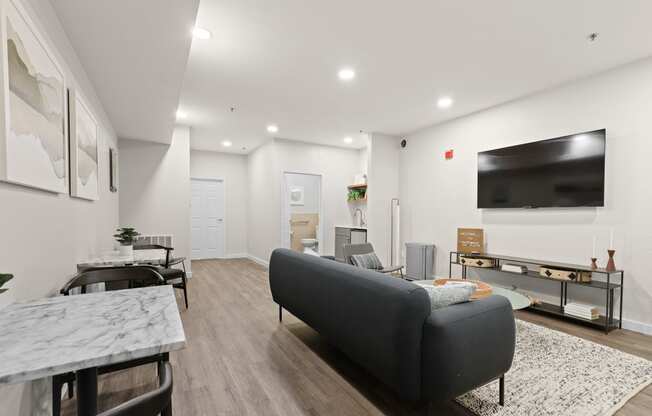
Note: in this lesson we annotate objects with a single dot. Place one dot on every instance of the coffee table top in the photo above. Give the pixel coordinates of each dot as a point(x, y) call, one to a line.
point(518, 300)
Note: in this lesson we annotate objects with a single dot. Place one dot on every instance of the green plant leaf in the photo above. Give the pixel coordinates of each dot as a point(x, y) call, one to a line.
point(4, 278)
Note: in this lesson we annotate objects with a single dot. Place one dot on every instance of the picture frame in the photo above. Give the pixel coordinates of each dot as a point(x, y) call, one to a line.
point(113, 169)
point(297, 196)
point(84, 145)
point(33, 106)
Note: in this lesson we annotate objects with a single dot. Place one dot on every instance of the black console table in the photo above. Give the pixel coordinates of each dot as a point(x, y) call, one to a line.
point(610, 282)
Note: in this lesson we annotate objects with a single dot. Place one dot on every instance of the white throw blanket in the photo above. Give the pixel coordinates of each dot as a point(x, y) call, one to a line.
point(448, 294)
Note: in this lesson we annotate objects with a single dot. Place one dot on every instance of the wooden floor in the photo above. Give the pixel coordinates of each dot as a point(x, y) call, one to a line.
point(241, 361)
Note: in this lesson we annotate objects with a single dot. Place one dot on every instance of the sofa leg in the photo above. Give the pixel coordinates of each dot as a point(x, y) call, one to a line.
point(501, 387)
point(280, 313)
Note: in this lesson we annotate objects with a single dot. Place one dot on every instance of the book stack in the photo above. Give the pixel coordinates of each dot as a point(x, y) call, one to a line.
point(581, 310)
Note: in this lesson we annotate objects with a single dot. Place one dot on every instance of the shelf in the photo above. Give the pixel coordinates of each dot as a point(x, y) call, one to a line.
point(603, 322)
point(556, 310)
point(358, 186)
point(576, 267)
point(535, 275)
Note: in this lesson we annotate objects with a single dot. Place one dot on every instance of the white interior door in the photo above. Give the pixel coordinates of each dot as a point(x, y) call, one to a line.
point(207, 218)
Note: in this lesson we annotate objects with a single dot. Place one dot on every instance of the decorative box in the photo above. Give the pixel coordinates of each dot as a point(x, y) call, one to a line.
point(561, 274)
point(477, 261)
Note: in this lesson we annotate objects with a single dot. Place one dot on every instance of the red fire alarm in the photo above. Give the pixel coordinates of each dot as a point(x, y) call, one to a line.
point(449, 154)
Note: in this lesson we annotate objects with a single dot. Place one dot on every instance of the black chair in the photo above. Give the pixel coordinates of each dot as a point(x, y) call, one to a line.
point(114, 278)
point(152, 403)
point(175, 277)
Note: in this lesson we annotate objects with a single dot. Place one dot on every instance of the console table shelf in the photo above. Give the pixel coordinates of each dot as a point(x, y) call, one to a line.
point(614, 282)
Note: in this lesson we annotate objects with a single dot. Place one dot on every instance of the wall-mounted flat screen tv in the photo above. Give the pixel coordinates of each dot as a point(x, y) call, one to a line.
point(562, 172)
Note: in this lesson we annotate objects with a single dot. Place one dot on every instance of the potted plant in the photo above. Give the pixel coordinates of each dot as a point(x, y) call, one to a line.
point(4, 278)
point(126, 237)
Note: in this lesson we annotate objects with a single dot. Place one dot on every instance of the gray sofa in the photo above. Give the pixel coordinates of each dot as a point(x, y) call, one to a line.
point(386, 325)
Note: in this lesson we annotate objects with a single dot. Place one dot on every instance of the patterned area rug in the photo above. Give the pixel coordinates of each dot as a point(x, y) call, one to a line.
point(556, 374)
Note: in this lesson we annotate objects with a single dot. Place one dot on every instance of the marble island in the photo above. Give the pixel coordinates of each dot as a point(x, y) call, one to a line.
point(69, 333)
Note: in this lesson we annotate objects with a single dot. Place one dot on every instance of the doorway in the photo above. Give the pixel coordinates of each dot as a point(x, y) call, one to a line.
point(207, 218)
point(301, 211)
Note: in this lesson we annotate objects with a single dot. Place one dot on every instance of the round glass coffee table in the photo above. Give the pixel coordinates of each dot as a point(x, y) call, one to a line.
point(518, 300)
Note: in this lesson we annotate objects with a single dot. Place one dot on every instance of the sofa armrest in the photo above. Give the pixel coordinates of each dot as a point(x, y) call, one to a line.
point(465, 346)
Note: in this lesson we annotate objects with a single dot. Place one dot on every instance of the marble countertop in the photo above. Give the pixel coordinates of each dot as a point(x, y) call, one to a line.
point(139, 256)
point(68, 333)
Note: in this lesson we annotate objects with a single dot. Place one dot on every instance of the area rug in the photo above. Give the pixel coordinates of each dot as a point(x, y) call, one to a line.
point(557, 374)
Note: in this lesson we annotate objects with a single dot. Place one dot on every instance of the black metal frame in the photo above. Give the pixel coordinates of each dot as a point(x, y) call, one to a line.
point(606, 322)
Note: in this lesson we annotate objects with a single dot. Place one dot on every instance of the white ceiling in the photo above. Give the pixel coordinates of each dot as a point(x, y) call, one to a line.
point(135, 54)
point(277, 61)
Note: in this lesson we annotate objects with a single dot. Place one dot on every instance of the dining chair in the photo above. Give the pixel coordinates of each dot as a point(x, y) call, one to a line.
point(173, 276)
point(151, 403)
point(351, 250)
point(113, 278)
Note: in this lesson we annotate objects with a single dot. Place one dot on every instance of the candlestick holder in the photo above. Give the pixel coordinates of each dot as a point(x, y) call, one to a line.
point(611, 265)
point(594, 264)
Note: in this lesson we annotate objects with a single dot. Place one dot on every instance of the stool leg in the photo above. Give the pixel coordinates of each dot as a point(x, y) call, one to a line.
point(501, 387)
point(56, 396)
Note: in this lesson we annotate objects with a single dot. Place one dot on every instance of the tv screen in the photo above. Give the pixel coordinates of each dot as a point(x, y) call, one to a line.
point(563, 172)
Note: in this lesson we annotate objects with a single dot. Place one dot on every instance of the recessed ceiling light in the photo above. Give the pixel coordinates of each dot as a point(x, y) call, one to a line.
point(346, 74)
point(181, 115)
point(348, 140)
point(444, 102)
point(226, 143)
point(272, 128)
point(201, 33)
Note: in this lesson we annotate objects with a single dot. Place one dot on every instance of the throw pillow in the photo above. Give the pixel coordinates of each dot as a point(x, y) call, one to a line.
point(367, 261)
point(441, 296)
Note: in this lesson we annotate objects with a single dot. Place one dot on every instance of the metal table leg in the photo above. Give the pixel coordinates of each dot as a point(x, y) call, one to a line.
point(620, 315)
point(87, 392)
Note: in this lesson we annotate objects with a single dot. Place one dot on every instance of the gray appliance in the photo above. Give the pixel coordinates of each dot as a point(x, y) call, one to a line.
point(420, 260)
point(348, 235)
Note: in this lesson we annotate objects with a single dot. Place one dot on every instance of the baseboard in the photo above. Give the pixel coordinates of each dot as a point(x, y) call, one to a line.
point(637, 326)
point(237, 256)
point(259, 261)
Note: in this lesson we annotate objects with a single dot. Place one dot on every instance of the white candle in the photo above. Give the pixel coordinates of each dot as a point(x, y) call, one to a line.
point(611, 239)
point(594, 241)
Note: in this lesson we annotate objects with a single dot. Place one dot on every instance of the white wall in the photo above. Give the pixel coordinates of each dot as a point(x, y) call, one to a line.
point(439, 196)
point(45, 235)
point(155, 188)
point(383, 180)
point(267, 164)
point(233, 169)
point(264, 203)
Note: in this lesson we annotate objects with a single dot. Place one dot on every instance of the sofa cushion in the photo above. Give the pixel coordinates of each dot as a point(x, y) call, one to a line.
point(367, 261)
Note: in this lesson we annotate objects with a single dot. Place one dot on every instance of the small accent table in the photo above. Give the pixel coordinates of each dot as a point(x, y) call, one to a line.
point(80, 333)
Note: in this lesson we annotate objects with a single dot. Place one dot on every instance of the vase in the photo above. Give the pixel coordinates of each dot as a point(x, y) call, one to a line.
point(126, 250)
